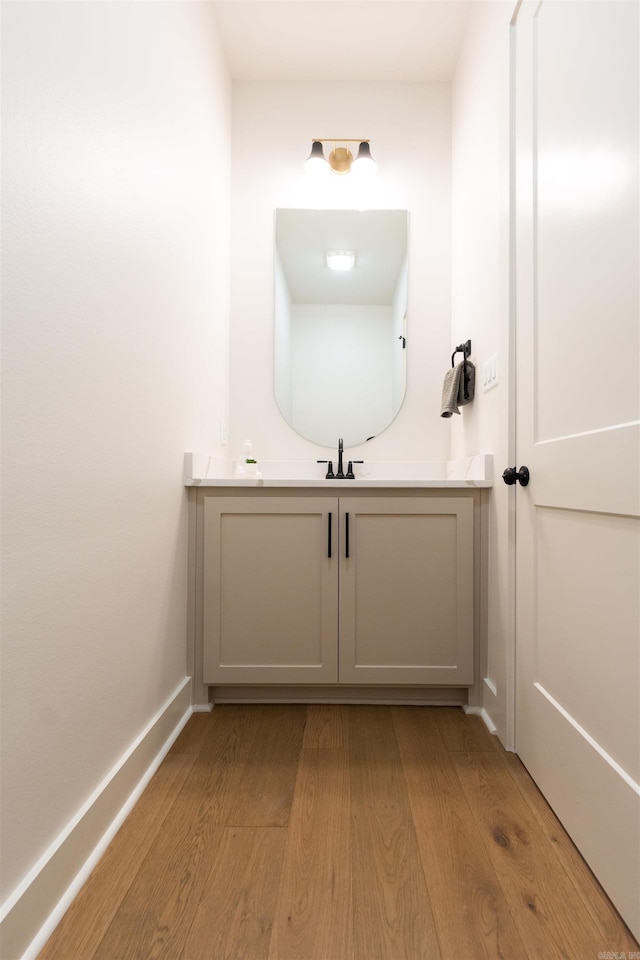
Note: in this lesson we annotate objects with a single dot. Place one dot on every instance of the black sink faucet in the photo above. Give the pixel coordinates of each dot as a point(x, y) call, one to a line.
point(340, 473)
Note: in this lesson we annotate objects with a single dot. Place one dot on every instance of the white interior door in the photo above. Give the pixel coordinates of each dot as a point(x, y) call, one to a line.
point(577, 333)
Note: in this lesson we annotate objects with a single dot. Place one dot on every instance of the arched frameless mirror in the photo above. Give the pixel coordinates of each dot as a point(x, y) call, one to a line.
point(340, 335)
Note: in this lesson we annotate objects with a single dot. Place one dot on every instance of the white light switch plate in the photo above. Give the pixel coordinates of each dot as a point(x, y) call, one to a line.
point(490, 373)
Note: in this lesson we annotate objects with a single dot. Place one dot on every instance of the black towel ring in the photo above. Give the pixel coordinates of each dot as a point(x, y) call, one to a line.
point(465, 349)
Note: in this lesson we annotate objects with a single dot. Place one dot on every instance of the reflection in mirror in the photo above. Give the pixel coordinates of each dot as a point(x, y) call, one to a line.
point(340, 335)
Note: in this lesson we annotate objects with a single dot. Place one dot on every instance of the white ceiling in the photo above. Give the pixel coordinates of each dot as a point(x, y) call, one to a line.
point(392, 40)
point(377, 237)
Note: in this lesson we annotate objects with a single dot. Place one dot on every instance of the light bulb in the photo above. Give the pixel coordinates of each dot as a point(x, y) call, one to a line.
point(316, 166)
point(364, 166)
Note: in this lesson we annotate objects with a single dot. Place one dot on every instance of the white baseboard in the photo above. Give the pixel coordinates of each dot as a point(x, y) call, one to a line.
point(30, 915)
point(488, 722)
point(482, 713)
point(202, 707)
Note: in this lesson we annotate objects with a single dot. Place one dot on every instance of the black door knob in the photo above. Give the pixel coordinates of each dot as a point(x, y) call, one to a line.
point(511, 475)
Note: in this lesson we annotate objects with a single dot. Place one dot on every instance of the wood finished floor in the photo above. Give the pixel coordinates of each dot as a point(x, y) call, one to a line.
point(339, 833)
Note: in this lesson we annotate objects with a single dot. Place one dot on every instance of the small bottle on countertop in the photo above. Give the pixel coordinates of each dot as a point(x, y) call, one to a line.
point(246, 465)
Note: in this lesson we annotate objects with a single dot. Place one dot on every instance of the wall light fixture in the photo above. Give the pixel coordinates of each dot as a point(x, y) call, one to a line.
point(340, 158)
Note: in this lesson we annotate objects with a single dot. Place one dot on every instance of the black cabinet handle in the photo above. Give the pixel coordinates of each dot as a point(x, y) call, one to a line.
point(346, 535)
point(329, 540)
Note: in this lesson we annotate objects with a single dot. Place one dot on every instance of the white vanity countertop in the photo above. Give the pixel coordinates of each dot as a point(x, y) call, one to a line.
point(201, 470)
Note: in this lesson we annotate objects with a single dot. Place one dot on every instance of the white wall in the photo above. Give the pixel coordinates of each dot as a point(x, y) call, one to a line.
point(342, 370)
point(480, 302)
point(115, 339)
point(409, 125)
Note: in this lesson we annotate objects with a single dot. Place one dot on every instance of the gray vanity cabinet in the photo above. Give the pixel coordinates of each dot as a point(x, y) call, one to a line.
point(270, 590)
point(345, 589)
point(406, 591)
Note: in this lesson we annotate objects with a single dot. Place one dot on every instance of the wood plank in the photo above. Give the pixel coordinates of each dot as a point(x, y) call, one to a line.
point(247, 765)
point(392, 911)
point(194, 734)
point(232, 729)
point(156, 914)
point(615, 935)
point(264, 795)
point(549, 915)
point(327, 726)
point(235, 915)
point(80, 931)
point(465, 731)
point(314, 912)
point(470, 910)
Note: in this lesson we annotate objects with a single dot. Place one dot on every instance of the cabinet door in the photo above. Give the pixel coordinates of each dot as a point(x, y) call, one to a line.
point(270, 590)
point(406, 591)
